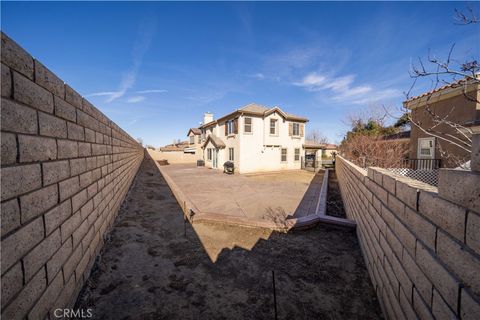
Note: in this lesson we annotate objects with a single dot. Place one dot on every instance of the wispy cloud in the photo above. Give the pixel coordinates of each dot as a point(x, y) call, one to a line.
point(258, 76)
point(135, 99)
point(101, 94)
point(343, 88)
point(151, 91)
point(141, 45)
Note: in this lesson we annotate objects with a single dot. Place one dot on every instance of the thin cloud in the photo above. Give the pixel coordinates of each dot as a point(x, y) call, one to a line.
point(140, 47)
point(135, 99)
point(151, 91)
point(258, 76)
point(101, 94)
point(344, 89)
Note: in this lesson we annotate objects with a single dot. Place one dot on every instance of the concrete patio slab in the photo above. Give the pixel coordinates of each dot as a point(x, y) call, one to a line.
point(253, 196)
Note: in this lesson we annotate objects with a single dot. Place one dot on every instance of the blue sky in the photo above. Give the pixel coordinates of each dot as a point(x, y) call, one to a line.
point(155, 67)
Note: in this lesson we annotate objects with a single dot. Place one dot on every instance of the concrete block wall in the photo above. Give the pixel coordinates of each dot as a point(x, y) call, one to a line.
point(65, 170)
point(421, 244)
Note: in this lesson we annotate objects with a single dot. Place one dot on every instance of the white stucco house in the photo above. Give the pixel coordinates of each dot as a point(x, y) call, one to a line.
point(255, 138)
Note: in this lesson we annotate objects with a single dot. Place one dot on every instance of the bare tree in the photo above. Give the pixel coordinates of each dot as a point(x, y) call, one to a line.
point(317, 137)
point(446, 73)
point(373, 150)
point(140, 141)
point(464, 18)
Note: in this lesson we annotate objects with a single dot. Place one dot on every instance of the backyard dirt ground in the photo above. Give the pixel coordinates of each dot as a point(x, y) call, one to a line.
point(334, 198)
point(149, 269)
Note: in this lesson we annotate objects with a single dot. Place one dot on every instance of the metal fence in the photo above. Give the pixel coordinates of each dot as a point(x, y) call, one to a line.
point(314, 164)
point(425, 170)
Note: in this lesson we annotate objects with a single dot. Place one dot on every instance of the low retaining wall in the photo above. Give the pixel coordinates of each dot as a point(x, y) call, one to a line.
point(65, 170)
point(421, 244)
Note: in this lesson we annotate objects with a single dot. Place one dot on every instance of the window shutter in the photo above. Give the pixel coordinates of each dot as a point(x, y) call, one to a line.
point(235, 126)
point(290, 128)
point(302, 126)
point(226, 128)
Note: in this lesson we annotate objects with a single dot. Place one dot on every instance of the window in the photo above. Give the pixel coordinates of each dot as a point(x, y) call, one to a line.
point(199, 139)
point(192, 139)
point(296, 129)
point(426, 148)
point(248, 125)
point(284, 155)
point(273, 126)
point(209, 154)
point(231, 154)
point(231, 127)
point(297, 154)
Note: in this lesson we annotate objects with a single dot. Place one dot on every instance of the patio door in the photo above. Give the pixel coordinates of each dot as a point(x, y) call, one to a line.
point(215, 158)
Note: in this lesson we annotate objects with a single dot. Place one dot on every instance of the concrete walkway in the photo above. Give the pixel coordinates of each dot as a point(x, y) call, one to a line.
point(149, 269)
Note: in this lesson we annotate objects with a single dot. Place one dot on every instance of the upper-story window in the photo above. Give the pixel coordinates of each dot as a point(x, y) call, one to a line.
point(247, 128)
point(199, 139)
point(273, 126)
point(296, 129)
point(192, 139)
point(231, 127)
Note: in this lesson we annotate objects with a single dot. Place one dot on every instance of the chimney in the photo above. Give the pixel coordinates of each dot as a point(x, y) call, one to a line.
point(207, 117)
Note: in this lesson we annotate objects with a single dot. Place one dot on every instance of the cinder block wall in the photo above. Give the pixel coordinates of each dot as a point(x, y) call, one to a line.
point(65, 169)
point(421, 244)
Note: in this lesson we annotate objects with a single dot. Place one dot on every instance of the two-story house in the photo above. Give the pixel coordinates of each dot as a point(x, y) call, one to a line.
point(443, 115)
point(255, 138)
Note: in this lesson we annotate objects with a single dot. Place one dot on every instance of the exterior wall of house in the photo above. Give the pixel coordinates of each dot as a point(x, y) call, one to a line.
point(257, 151)
point(460, 110)
point(197, 144)
point(421, 244)
point(221, 158)
point(65, 169)
point(261, 151)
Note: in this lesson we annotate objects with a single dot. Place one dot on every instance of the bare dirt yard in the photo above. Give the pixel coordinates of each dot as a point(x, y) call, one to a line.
point(149, 269)
point(334, 198)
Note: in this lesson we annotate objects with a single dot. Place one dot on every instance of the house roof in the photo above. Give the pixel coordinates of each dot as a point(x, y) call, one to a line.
point(260, 110)
point(255, 108)
point(196, 131)
point(206, 125)
point(216, 141)
point(175, 146)
point(466, 84)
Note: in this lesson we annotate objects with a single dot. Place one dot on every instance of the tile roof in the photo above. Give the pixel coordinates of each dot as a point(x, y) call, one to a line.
point(453, 85)
point(216, 141)
point(175, 146)
point(255, 108)
point(196, 131)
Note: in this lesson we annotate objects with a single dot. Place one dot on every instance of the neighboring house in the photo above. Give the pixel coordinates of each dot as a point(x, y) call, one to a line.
point(315, 152)
point(182, 146)
point(194, 141)
point(458, 102)
point(255, 138)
